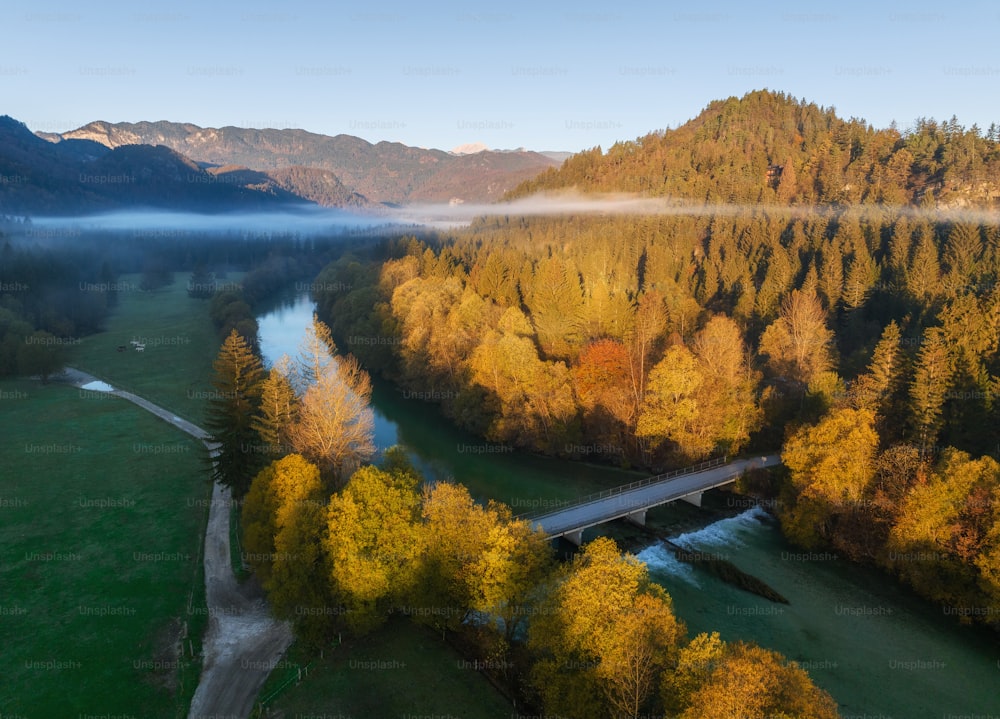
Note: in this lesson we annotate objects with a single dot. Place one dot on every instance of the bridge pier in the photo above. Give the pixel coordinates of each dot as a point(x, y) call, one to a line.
point(576, 537)
point(693, 498)
point(638, 518)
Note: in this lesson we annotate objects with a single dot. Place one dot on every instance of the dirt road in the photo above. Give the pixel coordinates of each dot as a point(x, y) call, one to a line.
point(243, 642)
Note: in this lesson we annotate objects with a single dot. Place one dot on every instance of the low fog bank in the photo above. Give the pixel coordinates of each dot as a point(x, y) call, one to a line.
point(321, 221)
point(305, 221)
point(573, 203)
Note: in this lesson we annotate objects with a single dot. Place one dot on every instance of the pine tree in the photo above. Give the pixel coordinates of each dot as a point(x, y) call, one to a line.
point(961, 253)
point(238, 375)
point(787, 185)
point(923, 276)
point(861, 276)
point(831, 275)
point(931, 377)
point(278, 410)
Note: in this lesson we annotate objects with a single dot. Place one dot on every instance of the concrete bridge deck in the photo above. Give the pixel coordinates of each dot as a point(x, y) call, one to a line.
point(632, 500)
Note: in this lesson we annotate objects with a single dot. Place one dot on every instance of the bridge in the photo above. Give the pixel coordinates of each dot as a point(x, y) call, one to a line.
point(631, 501)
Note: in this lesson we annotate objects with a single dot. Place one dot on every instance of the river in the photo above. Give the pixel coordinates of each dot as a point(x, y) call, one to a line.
point(878, 649)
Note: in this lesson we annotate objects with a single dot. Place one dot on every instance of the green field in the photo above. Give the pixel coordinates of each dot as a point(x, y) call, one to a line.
point(102, 516)
point(175, 369)
point(400, 670)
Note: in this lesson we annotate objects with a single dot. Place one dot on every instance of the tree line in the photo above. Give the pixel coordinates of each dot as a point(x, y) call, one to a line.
point(341, 544)
point(59, 285)
point(663, 340)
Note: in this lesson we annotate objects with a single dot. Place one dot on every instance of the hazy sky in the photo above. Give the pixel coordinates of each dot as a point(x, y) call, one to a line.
point(543, 75)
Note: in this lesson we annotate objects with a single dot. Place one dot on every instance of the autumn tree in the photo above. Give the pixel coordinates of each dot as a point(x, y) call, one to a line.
point(798, 343)
point(787, 183)
point(831, 466)
point(696, 662)
point(952, 523)
point(456, 530)
point(283, 523)
point(334, 424)
point(604, 634)
point(506, 577)
point(533, 398)
point(730, 386)
point(749, 682)
point(670, 410)
point(602, 379)
point(238, 375)
point(373, 544)
point(702, 399)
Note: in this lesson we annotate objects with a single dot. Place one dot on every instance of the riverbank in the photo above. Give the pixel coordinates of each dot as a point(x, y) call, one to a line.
point(859, 635)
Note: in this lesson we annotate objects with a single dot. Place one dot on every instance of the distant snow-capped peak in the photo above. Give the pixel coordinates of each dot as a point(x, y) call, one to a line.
point(470, 148)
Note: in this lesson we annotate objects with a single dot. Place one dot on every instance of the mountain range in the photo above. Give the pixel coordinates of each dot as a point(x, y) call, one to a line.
point(385, 172)
point(103, 166)
point(763, 148)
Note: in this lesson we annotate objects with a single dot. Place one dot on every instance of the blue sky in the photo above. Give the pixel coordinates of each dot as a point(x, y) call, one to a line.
point(543, 75)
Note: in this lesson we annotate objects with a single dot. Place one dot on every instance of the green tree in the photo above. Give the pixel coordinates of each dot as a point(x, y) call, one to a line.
point(880, 389)
point(202, 284)
point(923, 275)
point(41, 353)
point(962, 253)
point(555, 299)
point(238, 375)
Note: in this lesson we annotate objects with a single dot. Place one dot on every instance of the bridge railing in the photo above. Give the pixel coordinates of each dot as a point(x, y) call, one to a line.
point(638, 484)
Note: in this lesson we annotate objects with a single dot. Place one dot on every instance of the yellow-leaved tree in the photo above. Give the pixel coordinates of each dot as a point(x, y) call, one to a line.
point(283, 520)
point(832, 465)
point(744, 681)
point(603, 635)
point(373, 543)
point(333, 427)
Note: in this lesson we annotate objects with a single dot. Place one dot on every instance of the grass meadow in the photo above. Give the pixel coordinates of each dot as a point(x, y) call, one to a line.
point(102, 515)
point(400, 670)
point(175, 369)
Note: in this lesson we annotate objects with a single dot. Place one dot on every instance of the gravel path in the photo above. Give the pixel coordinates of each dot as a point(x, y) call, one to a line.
point(243, 642)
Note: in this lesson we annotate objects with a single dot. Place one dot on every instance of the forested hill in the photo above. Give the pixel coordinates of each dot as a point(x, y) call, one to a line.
point(862, 338)
point(767, 147)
